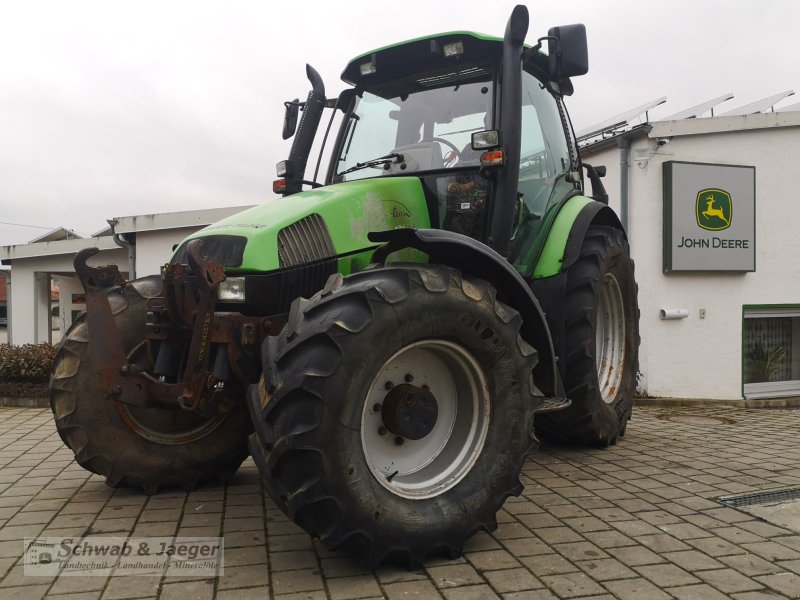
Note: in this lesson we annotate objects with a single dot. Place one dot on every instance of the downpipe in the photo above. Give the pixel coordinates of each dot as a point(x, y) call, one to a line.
point(624, 144)
point(120, 241)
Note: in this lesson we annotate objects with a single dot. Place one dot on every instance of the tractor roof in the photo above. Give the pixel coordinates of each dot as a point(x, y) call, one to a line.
point(420, 54)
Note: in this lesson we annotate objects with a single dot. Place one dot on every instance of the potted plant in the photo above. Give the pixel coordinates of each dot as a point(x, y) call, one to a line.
point(764, 363)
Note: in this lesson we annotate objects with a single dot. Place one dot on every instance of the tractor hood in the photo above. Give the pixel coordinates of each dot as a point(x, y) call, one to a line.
point(331, 221)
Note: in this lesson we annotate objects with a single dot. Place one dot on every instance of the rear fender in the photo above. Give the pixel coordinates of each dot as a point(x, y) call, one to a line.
point(563, 247)
point(479, 260)
point(564, 241)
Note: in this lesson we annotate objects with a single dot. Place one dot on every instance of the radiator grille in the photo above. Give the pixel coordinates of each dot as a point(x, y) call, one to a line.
point(305, 241)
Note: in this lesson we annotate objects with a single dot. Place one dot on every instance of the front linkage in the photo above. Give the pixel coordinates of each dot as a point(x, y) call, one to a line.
point(222, 346)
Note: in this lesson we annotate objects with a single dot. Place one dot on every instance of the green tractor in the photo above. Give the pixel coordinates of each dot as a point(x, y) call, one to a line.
point(380, 343)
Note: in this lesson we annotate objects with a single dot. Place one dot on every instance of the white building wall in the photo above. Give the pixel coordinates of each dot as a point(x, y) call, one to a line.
point(68, 288)
point(697, 357)
point(155, 236)
point(154, 248)
point(30, 292)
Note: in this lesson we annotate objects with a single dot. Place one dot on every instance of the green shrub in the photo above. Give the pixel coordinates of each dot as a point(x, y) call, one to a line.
point(31, 362)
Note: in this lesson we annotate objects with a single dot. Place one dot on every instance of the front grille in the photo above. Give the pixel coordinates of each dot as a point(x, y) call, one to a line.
point(305, 241)
point(273, 293)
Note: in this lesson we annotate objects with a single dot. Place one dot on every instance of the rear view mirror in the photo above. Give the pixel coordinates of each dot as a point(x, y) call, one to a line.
point(568, 51)
point(290, 118)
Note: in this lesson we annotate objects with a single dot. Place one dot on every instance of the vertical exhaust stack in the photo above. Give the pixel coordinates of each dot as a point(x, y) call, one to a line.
point(304, 138)
point(505, 201)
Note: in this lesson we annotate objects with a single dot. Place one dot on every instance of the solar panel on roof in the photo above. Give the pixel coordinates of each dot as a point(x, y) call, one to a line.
point(758, 106)
point(790, 108)
point(695, 111)
point(619, 120)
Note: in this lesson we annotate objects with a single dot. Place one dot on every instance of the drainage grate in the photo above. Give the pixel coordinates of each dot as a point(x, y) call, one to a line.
point(768, 497)
point(696, 419)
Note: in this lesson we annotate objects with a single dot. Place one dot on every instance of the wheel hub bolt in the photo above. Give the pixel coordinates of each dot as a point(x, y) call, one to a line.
point(124, 369)
point(377, 407)
point(399, 441)
point(381, 430)
point(389, 385)
point(409, 377)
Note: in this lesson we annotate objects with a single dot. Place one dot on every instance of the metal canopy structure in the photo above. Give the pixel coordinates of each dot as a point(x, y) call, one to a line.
point(623, 122)
point(790, 108)
point(759, 105)
point(612, 125)
point(697, 111)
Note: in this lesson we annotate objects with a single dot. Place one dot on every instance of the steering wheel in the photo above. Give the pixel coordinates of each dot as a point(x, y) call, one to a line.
point(451, 157)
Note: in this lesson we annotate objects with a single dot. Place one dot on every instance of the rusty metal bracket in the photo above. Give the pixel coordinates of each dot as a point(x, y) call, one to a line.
point(208, 273)
point(106, 353)
point(124, 382)
point(96, 278)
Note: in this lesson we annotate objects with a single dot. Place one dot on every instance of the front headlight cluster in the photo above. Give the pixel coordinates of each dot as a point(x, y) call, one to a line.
point(231, 290)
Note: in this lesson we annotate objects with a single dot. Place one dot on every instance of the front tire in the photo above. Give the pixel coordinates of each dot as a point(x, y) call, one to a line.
point(130, 445)
point(602, 343)
point(395, 412)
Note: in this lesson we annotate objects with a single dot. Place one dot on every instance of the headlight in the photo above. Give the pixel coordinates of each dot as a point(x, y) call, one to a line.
point(231, 290)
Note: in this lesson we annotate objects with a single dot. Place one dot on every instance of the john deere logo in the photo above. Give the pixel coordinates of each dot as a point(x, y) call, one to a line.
point(714, 209)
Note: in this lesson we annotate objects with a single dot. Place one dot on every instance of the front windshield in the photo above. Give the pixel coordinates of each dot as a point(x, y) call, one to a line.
point(426, 123)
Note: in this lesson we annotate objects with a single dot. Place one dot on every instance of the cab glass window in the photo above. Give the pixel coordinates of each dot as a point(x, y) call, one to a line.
point(544, 166)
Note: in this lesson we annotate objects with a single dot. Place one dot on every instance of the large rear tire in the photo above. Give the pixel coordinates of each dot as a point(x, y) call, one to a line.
point(395, 412)
point(602, 343)
point(129, 445)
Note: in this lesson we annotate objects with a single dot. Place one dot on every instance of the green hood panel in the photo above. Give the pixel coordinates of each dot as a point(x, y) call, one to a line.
point(350, 210)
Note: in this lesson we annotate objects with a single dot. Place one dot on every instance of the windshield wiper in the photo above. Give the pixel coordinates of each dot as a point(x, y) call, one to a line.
point(374, 162)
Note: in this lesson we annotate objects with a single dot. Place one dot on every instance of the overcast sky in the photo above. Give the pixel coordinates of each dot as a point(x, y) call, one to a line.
point(121, 108)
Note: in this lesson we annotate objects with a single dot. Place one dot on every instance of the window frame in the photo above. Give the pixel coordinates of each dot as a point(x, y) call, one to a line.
point(769, 389)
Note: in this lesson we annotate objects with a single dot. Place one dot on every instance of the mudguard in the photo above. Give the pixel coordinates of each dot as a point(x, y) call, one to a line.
point(564, 244)
point(475, 258)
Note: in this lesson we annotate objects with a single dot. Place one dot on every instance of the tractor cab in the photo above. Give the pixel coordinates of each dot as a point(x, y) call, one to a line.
point(432, 108)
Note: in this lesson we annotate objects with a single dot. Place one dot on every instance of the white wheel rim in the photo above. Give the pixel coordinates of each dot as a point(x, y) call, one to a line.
point(429, 466)
point(610, 338)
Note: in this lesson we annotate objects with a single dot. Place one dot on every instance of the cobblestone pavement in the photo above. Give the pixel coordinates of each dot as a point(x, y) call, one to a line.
point(639, 520)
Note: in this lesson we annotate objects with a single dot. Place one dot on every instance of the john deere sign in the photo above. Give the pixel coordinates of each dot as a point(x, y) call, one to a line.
point(709, 217)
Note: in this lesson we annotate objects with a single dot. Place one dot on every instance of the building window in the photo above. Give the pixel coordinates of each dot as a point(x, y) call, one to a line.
point(771, 351)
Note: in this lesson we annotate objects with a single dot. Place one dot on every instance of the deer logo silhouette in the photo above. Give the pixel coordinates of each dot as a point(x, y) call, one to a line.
point(714, 209)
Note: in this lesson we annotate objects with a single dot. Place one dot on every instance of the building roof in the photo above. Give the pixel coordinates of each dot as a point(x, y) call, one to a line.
point(54, 235)
point(704, 126)
point(626, 123)
point(174, 220)
point(64, 241)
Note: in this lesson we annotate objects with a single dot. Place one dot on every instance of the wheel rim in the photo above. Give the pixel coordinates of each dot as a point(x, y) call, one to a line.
point(610, 338)
point(426, 467)
point(171, 427)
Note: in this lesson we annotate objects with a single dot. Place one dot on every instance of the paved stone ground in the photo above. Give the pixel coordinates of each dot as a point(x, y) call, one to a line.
point(639, 520)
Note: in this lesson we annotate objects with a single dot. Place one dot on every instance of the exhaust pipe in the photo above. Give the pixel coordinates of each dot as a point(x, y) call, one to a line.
point(505, 201)
point(306, 131)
